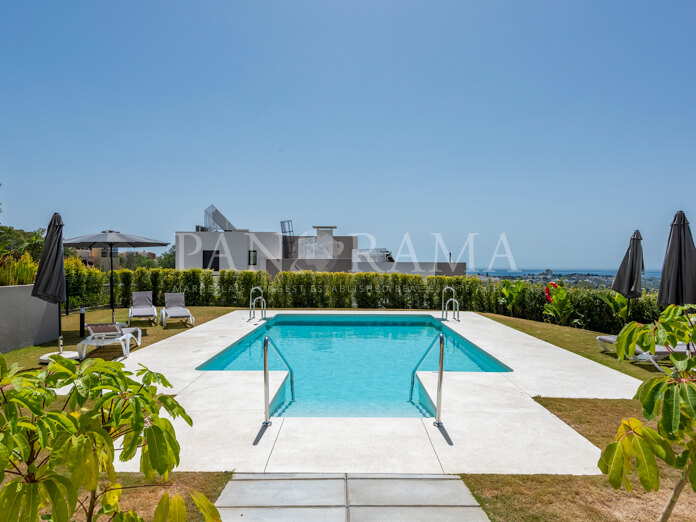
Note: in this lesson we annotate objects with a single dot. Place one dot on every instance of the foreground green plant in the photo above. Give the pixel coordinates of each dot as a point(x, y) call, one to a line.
point(669, 398)
point(60, 451)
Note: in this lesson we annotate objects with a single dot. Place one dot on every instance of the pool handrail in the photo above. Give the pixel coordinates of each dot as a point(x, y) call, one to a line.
point(266, 392)
point(252, 301)
point(263, 307)
point(438, 337)
point(455, 309)
point(454, 295)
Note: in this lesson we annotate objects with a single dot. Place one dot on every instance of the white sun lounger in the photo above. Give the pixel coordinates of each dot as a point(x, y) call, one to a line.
point(175, 308)
point(641, 356)
point(102, 334)
point(142, 307)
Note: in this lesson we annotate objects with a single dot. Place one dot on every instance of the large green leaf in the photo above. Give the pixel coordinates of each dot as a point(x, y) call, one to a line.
point(651, 402)
point(162, 511)
point(11, 497)
point(687, 391)
point(177, 509)
point(30, 502)
point(205, 506)
point(59, 505)
point(670, 409)
point(660, 447)
point(4, 460)
point(611, 463)
point(157, 448)
point(648, 472)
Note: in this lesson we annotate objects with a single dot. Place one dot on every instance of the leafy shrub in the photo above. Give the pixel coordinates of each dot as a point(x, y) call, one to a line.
point(369, 290)
point(192, 286)
point(141, 280)
point(17, 272)
point(207, 288)
point(227, 287)
point(84, 285)
point(156, 282)
point(124, 283)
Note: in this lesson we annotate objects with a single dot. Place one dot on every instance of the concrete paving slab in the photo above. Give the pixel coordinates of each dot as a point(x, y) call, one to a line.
point(224, 391)
point(353, 445)
point(469, 391)
point(274, 493)
point(417, 514)
point(288, 476)
point(409, 492)
point(526, 443)
point(428, 476)
point(317, 514)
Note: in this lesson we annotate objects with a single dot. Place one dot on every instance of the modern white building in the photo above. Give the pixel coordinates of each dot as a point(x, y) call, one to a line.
point(219, 245)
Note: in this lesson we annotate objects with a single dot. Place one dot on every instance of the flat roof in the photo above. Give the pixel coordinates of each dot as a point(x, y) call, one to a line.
point(321, 226)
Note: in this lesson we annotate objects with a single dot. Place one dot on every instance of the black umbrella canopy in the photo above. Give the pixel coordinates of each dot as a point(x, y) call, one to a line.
point(112, 239)
point(628, 281)
point(50, 277)
point(678, 283)
point(49, 284)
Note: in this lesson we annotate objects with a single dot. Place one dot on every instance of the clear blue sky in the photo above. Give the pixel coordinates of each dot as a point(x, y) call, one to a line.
point(565, 125)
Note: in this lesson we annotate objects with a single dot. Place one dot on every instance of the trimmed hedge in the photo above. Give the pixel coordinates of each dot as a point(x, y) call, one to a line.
point(308, 289)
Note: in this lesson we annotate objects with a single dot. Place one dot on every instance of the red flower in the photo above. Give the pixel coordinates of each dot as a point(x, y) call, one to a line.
point(548, 292)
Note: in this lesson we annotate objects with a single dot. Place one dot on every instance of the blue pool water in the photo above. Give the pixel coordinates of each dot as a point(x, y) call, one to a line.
point(353, 366)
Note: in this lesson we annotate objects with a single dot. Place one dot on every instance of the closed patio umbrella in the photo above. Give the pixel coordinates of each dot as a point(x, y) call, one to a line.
point(628, 280)
point(50, 277)
point(678, 282)
point(111, 239)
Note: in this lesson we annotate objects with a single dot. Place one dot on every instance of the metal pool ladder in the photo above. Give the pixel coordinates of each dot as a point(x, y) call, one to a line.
point(439, 337)
point(266, 392)
point(445, 304)
point(252, 303)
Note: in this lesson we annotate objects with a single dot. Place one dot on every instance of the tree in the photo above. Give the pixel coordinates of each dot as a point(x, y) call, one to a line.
point(168, 258)
point(60, 451)
point(18, 241)
point(133, 260)
point(669, 398)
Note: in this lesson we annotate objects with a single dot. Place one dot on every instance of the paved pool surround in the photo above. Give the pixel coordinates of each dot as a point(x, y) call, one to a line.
point(491, 422)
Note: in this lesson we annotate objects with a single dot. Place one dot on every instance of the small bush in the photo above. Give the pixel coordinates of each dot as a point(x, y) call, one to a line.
point(207, 288)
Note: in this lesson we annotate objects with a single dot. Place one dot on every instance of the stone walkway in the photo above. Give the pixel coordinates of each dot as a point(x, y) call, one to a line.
point(307, 497)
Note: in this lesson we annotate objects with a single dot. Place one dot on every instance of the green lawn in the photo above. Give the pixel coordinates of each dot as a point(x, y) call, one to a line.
point(582, 342)
point(29, 357)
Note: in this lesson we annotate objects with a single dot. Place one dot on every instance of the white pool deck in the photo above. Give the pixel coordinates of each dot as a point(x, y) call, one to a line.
point(491, 422)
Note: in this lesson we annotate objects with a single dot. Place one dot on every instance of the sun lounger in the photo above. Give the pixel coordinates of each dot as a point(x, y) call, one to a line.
point(608, 341)
point(142, 307)
point(175, 308)
point(102, 334)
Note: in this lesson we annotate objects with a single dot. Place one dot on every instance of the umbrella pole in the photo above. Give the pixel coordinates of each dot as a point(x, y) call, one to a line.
point(111, 286)
point(60, 332)
point(628, 309)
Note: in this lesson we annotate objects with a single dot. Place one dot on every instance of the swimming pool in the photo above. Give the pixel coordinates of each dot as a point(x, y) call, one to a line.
point(353, 365)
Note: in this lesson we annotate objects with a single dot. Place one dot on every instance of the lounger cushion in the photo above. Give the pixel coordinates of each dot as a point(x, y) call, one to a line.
point(143, 311)
point(177, 311)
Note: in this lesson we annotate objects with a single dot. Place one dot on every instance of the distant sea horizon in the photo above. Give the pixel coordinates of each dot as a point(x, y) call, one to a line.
point(559, 271)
